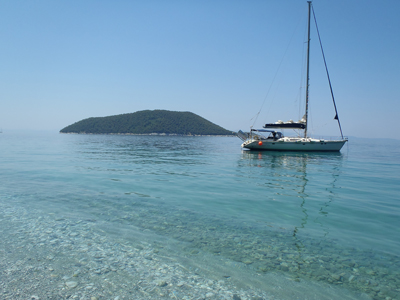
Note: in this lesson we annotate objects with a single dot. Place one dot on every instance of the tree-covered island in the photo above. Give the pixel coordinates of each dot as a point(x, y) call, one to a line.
point(148, 122)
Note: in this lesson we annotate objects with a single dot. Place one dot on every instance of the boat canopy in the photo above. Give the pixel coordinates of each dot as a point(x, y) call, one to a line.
point(275, 134)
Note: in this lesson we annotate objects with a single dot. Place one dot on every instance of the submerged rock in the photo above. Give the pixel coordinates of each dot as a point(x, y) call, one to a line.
point(162, 283)
point(71, 284)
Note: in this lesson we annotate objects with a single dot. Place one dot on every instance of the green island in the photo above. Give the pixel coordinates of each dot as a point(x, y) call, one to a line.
point(162, 122)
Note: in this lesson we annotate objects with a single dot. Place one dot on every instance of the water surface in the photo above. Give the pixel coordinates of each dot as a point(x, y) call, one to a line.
point(261, 224)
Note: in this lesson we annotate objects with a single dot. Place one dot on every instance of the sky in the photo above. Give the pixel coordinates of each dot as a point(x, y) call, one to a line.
point(236, 63)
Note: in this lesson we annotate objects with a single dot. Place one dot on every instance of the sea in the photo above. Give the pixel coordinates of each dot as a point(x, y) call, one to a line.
point(196, 217)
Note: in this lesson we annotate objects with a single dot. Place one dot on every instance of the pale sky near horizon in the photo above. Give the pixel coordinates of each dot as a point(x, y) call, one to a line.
point(64, 61)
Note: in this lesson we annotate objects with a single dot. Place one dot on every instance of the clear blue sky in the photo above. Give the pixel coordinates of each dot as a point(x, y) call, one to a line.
point(63, 61)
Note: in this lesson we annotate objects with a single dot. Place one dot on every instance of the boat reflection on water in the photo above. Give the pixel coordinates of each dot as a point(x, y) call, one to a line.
point(298, 189)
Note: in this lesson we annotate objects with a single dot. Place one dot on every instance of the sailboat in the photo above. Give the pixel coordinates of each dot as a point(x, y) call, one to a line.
point(256, 139)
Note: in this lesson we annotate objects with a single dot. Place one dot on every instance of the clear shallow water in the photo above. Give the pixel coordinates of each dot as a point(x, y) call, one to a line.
point(319, 225)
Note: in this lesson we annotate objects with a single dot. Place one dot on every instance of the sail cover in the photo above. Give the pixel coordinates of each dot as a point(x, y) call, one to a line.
point(301, 124)
point(285, 125)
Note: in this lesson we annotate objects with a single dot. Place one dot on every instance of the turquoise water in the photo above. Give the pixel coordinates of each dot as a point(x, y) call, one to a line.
point(271, 225)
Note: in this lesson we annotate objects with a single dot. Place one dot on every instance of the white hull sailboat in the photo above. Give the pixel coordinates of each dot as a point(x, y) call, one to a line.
point(256, 140)
point(259, 142)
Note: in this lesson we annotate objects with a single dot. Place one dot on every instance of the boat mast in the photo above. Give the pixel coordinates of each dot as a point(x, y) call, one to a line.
point(308, 67)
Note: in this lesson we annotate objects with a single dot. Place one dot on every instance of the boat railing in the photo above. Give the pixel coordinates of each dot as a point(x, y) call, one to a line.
point(330, 138)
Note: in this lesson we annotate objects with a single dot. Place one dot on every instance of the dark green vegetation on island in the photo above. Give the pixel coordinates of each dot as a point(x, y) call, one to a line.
point(148, 122)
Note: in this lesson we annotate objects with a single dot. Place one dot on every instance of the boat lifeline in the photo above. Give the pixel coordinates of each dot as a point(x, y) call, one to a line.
point(255, 140)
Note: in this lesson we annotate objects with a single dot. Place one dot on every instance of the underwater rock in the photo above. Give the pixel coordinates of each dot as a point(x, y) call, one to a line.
point(71, 284)
point(162, 283)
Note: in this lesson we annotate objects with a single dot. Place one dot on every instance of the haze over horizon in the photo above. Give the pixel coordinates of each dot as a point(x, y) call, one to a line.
point(225, 61)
